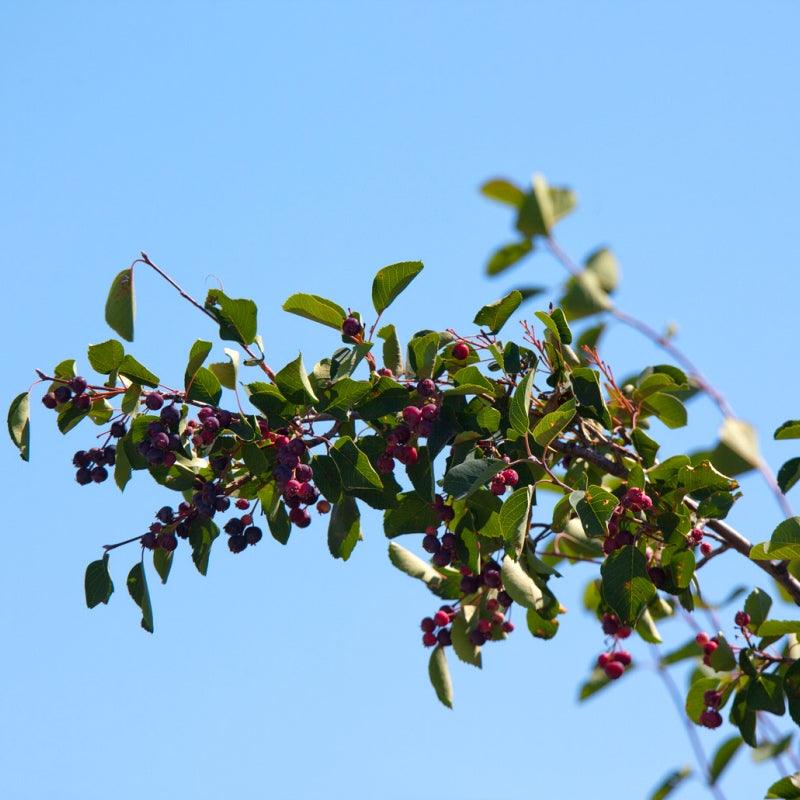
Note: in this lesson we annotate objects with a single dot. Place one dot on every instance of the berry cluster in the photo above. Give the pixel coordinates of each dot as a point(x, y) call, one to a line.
point(294, 477)
point(614, 663)
point(162, 440)
point(73, 391)
point(92, 464)
point(165, 531)
point(210, 421)
point(416, 421)
point(506, 478)
point(696, 538)
point(708, 644)
point(711, 718)
point(240, 530)
point(493, 624)
point(442, 550)
point(441, 619)
point(634, 500)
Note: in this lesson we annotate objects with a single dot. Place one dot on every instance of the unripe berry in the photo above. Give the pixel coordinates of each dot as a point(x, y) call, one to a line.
point(427, 625)
point(510, 477)
point(742, 619)
point(492, 604)
point(154, 401)
point(428, 639)
point(408, 455)
point(242, 504)
point(351, 327)
point(385, 372)
point(696, 535)
point(705, 548)
point(308, 494)
point(497, 487)
point(292, 488)
point(247, 519)
point(711, 719)
point(508, 626)
point(460, 351)
point(603, 659)
point(709, 647)
point(49, 400)
point(485, 626)
point(702, 639)
point(430, 412)
point(624, 632)
point(323, 507)
point(623, 656)
point(441, 619)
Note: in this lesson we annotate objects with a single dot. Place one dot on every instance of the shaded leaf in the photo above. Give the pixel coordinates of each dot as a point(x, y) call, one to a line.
point(19, 426)
point(97, 582)
point(344, 528)
point(121, 305)
point(137, 588)
point(439, 675)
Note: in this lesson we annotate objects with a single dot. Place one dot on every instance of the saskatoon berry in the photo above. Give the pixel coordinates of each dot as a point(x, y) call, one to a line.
point(182, 530)
point(297, 447)
point(427, 625)
point(705, 548)
point(78, 384)
point(709, 647)
point(460, 350)
point(168, 541)
point(253, 535)
point(282, 473)
point(118, 429)
point(504, 598)
point(492, 604)
point(424, 428)
point(426, 388)
point(614, 670)
point(83, 476)
point(237, 543)
point(165, 514)
point(170, 416)
point(168, 459)
point(610, 624)
point(603, 659)
point(96, 454)
point(110, 455)
point(351, 327)
point(211, 424)
point(498, 618)
point(430, 412)
point(442, 558)
point(49, 400)
point(470, 584)
point(82, 402)
point(406, 455)
point(300, 517)
point(242, 504)
point(385, 372)
point(161, 441)
point(385, 464)
point(484, 626)
point(712, 698)
point(742, 619)
point(510, 477)
point(154, 401)
point(428, 639)
point(443, 637)
point(477, 637)
point(62, 393)
point(323, 507)
point(449, 610)
point(81, 459)
point(308, 494)
point(702, 639)
point(624, 632)
point(303, 472)
point(411, 415)
point(449, 541)
point(430, 544)
point(441, 618)
point(623, 656)
point(233, 526)
point(99, 474)
point(711, 718)
point(149, 541)
point(222, 503)
point(491, 577)
point(508, 626)
point(497, 486)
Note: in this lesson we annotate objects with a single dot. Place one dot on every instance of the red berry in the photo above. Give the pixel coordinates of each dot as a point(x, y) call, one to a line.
point(603, 659)
point(300, 517)
point(242, 504)
point(510, 477)
point(426, 388)
point(385, 464)
point(742, 619)
point(385, 372)
point(412, 415)
point(492, 604)
point(484, 626)
point(614, 670)
point(610, 624)
point(351, 327)
point(702, 639)
point(705, 548)
point(430, 412)
point(624, 632)
point(428, 639)
point(441, 618)
point(460, 350)
point(709, 647)
point(323, 507)
point(712, 698)
point(407, 455)
point(508, 626)
point(623, 656)
point(497, 487)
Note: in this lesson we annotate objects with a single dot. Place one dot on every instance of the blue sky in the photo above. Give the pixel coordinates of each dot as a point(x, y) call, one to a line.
point(286, 147)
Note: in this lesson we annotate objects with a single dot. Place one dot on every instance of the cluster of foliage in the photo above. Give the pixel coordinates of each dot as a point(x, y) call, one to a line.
point(455, 438)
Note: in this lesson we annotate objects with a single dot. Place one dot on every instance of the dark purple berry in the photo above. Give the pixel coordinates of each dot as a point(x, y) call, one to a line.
point(83, 402)
point(49, 400)
point(99, 474)
point(491, 577)
point(504, 598)
point(237, 543)
point(477, 637)
point(165, 514)
point(300, 517)
point(154, 401)
point(83, 476)
point(161, 441)
point(426, 388)
point(110, 455)
point(78, 384)
point(303, 472)
point(431, 544)
point(118, 429)
point(168, 541)
point(170, 416)
point(233, 526)
point(62, 393)
point(222, 503)
point(442, 558)
point(443, 637)
point(253, 535)
point(470, 584)
point(449, 541)
point(351, 327)
point(297, 447)
point(81, 459)
point(149, 540)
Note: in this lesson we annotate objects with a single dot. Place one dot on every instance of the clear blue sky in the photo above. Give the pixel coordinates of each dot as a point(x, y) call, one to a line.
point(284, 147)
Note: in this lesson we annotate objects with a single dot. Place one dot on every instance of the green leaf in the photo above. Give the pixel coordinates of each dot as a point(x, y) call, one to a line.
point(494, 315)
point(344, 528)
point(791, 685)
point(682, 568)
point(508, 255)
point(421, 474)
point(468, 476)
point(227, 372)
point(137, 588)
point(392, 354)
point(757, 605)
point(645, 447)
point(97, 583)
point(789, 430)
point(414, 566)
point(626, 586)
point(19, 426)
point(503, 191)
point(594, 507)
point(205, 388)
point(778, 627)
point(688, 650)
point(695, 704)
point(722, 757)
point(121, 305)
point(294, 384)
point(536, 215)
point(670, 783)
point(787, 788)
point(551, 425)
point(743, 717)
point(130, 368)
point(439, 674)
point(667, 408)
point(392, 280)
point(279, 524)
point(238, 319)
point(704, 476)
point(197, 355)
point(412, 514)
point(738, 441)
point(603, 263)
point(765, 693)
point(356, 472)
point(586, 385)
point(540, 627)
point(316, 308)
point(556, 323)
point(202, 533)
point(519, 409)
point(584, 296)
point(422, 354)
point(520, 586)
point(106, 357)
point(784, 542)
point(789, 474)
point(723, 659)
point(464, 649)
point(122, 466)
point(767, 750)
point(515, 518)
point(162, 561)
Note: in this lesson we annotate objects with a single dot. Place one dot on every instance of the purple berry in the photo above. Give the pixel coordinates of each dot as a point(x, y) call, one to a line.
point(49, 400)
point(154, 401)
point(78, 384)
point(351, 327)
point(62, 393)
